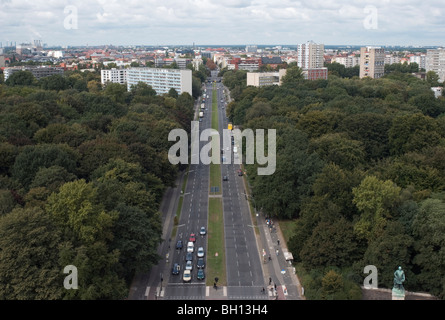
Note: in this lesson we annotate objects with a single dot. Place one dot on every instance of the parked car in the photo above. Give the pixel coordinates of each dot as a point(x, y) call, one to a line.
point(201, 274)
point(201, 263)
point(240, 172)
point(225, 178)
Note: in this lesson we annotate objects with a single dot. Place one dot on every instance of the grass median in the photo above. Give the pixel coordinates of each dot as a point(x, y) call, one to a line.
point(216, 256)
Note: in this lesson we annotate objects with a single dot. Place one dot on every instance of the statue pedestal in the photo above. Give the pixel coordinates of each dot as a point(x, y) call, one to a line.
point(398, 294)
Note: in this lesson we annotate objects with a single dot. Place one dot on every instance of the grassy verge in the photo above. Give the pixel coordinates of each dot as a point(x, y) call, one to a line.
point(216, 260)
point(179, 208)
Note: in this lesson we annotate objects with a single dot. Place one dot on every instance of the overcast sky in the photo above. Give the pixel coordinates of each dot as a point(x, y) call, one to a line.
point(225, 22)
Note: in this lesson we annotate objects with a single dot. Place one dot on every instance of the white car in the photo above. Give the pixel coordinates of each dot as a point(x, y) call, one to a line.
point(187, 276)
point(190, 247)
point(200, 252)
point(188, 265)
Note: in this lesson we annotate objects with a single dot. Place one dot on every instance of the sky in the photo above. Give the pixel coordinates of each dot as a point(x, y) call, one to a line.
point(223, 22)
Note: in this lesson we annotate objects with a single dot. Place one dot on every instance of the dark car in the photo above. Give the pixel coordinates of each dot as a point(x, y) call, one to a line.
point(189, 256)
point(200, 264)
point(179, 244)
point(201, 274)
point(176, 269)
point(225, 178)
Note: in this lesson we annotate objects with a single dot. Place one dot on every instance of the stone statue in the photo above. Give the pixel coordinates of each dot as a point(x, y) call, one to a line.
point(399, 278)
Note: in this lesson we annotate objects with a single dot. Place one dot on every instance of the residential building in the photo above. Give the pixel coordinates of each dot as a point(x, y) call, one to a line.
point(251, 48)
point(310, 55)
point(161, 79)
point(182, 62)
point(420, 60)
point(391, 59)
point(2, 62)
point(260, 79)
point(315, 73)
point(347, 61)
point(435, 61)
point(113, 75)
point(372, 62)
point(38, 72)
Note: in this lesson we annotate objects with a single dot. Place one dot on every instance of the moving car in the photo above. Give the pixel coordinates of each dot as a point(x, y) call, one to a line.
point(225, 178)
point(200, 252)
point(188, 265)
point(190, 247)
point(189, 256)
point(187, 276)
point(179, 244)
point(192, 237)
point(176, 269)
point(203, 231)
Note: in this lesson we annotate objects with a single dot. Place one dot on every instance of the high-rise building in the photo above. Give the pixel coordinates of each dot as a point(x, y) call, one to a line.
point(161, 79)
point(310, 55)
point(435, 61)
point(372, 62)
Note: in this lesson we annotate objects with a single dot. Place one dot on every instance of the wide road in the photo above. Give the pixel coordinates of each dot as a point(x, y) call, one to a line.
point(243, 266)
point(194, 215)
point(244, 269)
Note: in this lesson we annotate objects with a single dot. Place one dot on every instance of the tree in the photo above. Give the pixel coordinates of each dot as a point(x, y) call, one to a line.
point(293, 75)
point(21, 78)
point(32, 158)
point(376, 200)
point(432, 78)
point(429, 233)
point(332, 284)
point(29, 268)
point(330, 244)
point(412, 132)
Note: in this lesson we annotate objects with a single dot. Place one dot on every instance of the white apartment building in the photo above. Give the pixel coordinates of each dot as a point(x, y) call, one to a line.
point(260, 79)
point(347, 61)
point(310, 55)
point(113, 75)
point(161, 80)
point(390, 59)
point(420, 60)
point(435, 61)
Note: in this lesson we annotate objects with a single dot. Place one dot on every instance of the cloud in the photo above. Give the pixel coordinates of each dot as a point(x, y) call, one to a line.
point(223, 21)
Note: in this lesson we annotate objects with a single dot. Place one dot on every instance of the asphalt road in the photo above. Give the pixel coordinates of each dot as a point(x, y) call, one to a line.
point(244, 269)
point(243, 265)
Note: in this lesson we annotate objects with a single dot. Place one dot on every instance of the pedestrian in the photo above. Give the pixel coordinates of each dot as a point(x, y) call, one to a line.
point(276, 251)
point(270, 258)
point(270, 281)
point(278, 241)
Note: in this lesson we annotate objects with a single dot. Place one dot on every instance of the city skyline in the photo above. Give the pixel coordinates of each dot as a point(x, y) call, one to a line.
point(230, 22)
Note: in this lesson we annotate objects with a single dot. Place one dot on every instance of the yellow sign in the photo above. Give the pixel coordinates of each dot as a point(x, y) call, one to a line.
point(230, 126)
